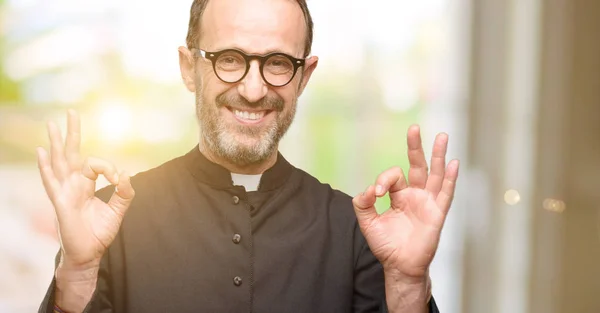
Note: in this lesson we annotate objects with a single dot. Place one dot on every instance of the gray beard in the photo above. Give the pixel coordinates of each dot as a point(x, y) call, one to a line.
point(220, 139)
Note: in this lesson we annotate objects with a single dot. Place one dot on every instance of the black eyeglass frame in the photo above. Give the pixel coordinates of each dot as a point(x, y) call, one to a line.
point(213, 56)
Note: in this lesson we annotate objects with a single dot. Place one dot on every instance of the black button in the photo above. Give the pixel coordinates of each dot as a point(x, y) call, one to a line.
point(236, 238)
point(237, 280)
point(236, 199)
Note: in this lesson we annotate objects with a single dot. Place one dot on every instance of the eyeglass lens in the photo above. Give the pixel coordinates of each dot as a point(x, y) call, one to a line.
point(277, 70)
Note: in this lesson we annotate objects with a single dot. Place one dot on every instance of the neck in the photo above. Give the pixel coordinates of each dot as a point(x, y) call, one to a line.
point(250, 169)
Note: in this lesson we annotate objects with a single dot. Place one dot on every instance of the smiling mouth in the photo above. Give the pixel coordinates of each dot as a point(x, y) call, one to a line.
point(252, 116)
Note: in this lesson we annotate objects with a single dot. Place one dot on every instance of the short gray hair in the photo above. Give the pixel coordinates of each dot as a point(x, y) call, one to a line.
point(198, 7)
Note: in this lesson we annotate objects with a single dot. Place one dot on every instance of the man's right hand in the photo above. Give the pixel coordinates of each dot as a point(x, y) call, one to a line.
point(86, 224)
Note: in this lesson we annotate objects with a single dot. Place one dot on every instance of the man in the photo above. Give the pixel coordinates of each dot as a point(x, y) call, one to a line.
point(232, 226)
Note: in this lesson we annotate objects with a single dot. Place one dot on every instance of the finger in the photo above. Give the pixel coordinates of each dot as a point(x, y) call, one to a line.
point(364, 207)
point(92, 167)
point(392, 180)
point(446, 195)
point(417, 174)
point(57, 153)
point(438, 164)
point(123, 195)
point(73, 140)
point(50, 182)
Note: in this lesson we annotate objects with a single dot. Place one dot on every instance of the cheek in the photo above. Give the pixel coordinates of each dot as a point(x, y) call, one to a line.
point(289, 94)
point(210, 86)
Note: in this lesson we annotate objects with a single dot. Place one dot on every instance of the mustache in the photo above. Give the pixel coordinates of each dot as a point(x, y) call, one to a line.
point(274, 103)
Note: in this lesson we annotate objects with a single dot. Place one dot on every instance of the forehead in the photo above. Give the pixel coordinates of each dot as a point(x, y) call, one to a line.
point(255, 26)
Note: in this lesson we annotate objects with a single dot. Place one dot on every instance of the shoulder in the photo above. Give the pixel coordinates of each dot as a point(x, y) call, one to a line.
point(336, 200)
point(147, 181)
point(160, 174)
point(314, 184)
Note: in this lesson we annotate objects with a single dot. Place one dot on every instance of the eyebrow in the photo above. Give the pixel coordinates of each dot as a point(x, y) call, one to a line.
point(261, 54)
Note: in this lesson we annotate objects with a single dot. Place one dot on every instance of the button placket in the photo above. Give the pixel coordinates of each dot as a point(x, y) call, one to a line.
point(237, 237)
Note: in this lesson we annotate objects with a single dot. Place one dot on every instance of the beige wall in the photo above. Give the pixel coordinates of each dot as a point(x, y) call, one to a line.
point(580, 266)
point(556, 255)
point(568, 245)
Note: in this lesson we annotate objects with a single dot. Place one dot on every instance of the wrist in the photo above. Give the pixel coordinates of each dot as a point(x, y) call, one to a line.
point(397, 277)
point(72, 264)
point(74, 287)
point(66, 274)
point(406, 293)
point(69, 271)
point(407, 284)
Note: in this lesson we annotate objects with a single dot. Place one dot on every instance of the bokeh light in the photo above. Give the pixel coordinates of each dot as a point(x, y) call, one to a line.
point(115, 122)
point(512, 197)
point(554, 205)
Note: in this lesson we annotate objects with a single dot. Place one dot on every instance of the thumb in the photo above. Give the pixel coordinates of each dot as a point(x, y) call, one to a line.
point(364, 207)
point(123, 195)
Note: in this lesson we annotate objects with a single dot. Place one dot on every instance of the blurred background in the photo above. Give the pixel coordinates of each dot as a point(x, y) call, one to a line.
point(515, 83)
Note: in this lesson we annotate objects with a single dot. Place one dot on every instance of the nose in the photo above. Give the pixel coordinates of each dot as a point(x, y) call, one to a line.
point(253, 87)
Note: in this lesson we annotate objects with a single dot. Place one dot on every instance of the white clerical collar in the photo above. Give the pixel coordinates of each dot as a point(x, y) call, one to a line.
point(250, 182)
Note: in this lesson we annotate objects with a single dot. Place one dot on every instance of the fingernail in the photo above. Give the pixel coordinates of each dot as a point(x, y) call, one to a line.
point(378, 189)
point(116, 178)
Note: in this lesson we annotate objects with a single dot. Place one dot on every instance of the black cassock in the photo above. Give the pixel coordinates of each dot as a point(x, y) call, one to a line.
point(193, 242)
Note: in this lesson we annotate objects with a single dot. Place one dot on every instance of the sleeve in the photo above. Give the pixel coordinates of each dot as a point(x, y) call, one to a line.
point(47, 304)
point(101, 301)
point(369, 282)
point(369, 285)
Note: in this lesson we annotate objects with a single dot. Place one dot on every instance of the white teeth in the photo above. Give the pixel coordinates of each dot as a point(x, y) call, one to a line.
point(249, 115)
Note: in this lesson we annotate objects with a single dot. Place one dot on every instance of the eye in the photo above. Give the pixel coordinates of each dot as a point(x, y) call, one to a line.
point(228, 60)
point(276, 63)
point(231, 61)
point(279, 65)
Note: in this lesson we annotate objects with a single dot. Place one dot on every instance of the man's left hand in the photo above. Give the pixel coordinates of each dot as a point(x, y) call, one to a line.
point(405, 237)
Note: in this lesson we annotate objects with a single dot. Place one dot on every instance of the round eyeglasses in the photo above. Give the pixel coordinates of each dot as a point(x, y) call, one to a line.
point(231, 66)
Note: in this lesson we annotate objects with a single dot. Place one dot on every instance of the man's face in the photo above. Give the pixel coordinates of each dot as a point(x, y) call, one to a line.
point(243, 122)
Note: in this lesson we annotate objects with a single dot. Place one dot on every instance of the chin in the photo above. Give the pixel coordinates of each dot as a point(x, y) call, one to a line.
point(244, 149)
point(248, 142)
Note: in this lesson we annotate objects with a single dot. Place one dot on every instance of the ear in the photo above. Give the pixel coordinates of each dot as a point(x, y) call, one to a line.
point(187, 68)
point(309, 66)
